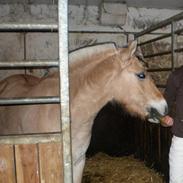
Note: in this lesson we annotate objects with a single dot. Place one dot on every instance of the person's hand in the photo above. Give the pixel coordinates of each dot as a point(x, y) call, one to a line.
point(167, 121)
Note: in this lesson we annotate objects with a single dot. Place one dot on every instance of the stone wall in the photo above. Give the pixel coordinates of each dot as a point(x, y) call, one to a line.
point(44, 46)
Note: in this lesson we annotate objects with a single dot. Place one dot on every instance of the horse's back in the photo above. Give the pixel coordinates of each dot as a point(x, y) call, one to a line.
point(28, 118)
point(16, 85)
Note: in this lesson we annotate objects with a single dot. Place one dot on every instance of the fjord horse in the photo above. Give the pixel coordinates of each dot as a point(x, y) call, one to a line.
point(98, 74)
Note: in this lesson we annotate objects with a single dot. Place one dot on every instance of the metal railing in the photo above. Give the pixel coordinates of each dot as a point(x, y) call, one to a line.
point(28, 64)
point(65, 135)
point(27, 27)
point(160, 24)
point(173, 35)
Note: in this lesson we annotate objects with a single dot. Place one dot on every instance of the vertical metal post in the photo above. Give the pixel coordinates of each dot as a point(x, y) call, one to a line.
point(25, 51)
point(127, 39)
point(64, 89)
point(173, 45)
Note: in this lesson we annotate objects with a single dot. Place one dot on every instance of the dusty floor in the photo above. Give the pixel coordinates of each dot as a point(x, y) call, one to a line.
point(105, 169)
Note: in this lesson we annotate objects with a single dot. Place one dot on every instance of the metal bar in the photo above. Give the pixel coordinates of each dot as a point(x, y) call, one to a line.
point(32, 64)
point(173, 44)
point(160, 86)
point(154, 39)
point(160, 24)
point(27, 27)
point(30, 139)
point(25, 51)
point(161, 69)
point(106, 30)
point(157, 54)
point(160, 37)
point(163, 53)
point(98, 32)
point(127, 38)
point(28, 101)
point(64, 90)
point(24, 27)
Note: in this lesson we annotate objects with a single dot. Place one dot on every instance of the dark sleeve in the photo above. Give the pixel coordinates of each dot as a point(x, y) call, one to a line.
point(170, 91)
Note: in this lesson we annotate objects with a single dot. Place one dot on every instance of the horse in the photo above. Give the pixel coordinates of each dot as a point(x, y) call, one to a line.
point(97, 74)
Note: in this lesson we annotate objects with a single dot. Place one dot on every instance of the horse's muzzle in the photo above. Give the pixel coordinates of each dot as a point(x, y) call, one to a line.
point(155, 116)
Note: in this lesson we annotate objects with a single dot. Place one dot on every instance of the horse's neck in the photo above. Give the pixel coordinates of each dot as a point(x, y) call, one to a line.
point(93, 94)
point(84, 108)
point(88, 103)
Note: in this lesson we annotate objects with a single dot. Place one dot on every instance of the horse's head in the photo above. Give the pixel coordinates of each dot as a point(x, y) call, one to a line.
point(135, 89)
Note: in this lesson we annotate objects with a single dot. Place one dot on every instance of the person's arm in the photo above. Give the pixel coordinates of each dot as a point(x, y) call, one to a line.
point(170, 91)
point(170, 95)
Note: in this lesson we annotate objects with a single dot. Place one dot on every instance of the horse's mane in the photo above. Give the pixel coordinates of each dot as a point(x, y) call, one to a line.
point(84, 64)
point(81, 57)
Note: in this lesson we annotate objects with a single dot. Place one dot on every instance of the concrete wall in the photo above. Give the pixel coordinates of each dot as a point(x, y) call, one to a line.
point(35, 46)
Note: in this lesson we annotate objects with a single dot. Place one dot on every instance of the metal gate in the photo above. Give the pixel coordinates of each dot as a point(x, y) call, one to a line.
point(13, 143)
point(175, 31)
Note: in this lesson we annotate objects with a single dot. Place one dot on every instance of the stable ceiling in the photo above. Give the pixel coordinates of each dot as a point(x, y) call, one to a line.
point(166, 4)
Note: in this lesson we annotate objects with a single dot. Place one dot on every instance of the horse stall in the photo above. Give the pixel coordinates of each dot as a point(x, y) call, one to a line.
point(35, 40)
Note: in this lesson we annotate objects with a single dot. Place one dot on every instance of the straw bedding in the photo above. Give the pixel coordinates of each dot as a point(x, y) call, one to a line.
point(105, 169)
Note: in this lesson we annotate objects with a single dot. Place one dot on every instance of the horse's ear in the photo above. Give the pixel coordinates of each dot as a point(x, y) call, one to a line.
point(128, 53)
point(132, 48)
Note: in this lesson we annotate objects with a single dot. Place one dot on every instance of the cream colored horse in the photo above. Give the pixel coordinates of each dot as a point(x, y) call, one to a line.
point(98, 74)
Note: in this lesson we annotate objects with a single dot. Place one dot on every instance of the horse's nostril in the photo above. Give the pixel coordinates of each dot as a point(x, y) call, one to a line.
point(154, 111)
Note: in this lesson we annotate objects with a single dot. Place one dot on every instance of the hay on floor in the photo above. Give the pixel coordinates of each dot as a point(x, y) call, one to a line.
point(105, 169)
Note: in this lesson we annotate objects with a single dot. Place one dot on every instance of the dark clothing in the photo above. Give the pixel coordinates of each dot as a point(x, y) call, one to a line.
point(174, 95)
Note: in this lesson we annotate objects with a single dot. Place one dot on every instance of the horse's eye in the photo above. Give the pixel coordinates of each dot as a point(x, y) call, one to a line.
point(141, 75)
